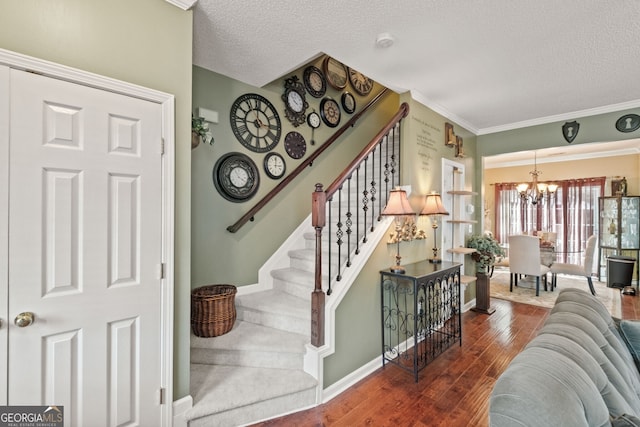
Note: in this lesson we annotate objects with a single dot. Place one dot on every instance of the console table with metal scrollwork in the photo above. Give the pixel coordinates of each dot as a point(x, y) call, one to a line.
point(421, 313)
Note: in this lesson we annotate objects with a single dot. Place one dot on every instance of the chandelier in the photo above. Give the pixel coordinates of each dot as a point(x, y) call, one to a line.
point(536, 190)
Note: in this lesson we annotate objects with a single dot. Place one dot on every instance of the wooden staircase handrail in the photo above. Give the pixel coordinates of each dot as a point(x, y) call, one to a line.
point(337, 183)
point(319, 200)
point(302, 166)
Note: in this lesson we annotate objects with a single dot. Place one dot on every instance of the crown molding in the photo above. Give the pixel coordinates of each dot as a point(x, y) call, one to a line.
point(183, 4)
point(417, 96)
point(562, 117)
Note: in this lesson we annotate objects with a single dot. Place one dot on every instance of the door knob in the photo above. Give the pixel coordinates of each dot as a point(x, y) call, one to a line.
point(25, 319)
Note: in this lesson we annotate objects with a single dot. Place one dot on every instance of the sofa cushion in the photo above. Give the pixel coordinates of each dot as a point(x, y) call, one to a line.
point(581, 354)
point(626, 371)
point(631, 333)
point(545, 389)
point(625, 420)
point(616, 377)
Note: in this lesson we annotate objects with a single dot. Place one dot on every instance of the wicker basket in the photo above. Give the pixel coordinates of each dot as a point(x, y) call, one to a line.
point(213, 310)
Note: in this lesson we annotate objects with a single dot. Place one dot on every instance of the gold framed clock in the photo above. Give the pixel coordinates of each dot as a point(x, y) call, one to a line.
point(360, 83)
point(335, 73)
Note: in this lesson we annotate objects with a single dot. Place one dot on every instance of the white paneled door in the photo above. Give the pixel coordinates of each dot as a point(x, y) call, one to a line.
point(84, 252)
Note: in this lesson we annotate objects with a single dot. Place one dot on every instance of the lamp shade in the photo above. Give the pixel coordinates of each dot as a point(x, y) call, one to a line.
point(433, 205)
point(398, 203)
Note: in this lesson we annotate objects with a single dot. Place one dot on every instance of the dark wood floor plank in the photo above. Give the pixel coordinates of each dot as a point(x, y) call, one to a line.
point(454, 389)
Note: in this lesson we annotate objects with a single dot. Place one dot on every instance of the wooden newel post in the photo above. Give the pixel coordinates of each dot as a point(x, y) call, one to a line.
point(318, 220)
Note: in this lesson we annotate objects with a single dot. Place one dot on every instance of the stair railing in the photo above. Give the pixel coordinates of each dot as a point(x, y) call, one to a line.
point(302, 166)
point(357, 189)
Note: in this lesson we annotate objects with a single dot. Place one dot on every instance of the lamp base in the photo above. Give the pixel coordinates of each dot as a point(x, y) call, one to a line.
point(435, 260)
point(397, 269)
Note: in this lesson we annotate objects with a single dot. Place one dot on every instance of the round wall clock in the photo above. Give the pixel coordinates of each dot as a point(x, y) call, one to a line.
point(348, 102)
point(274, 166)
point(236, 177)
point(314, 81)
point(335, 72)
point(313, 120)
point(330, 112)
point(295, 145)
point(255, 122)
point(360, 83)
point(294, 101)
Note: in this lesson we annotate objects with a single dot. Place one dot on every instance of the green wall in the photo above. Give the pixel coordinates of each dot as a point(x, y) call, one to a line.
point(145, 42)
point(596, 128)
point(219, 256)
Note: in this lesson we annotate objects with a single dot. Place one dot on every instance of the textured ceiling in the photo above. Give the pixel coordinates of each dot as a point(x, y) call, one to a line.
point(488, 65)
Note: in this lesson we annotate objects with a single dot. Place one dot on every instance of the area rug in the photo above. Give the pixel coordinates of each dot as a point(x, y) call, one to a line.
point(525, 292)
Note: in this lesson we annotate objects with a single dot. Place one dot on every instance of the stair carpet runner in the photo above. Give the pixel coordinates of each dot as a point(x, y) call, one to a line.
point(255, 371)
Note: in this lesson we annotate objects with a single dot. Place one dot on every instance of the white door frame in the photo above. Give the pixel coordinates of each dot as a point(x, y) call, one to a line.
point(167, 102)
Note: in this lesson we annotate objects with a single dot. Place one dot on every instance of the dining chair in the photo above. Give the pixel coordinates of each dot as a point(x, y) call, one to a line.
point(524, 259)
point(585, 269)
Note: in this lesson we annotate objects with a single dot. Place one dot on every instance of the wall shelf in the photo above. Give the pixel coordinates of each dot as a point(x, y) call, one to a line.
point(462, 193)
point(461, 250)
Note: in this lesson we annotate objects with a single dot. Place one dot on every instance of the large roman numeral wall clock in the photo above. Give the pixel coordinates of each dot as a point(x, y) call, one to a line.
point(255, 122)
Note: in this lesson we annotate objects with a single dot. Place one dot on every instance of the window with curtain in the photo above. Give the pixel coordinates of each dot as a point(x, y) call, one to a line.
point(570, 212)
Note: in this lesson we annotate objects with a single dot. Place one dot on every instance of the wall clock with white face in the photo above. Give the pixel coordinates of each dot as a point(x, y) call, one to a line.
point(295, 104)
point(236, 177)
point(255, 122)
point(274, 165)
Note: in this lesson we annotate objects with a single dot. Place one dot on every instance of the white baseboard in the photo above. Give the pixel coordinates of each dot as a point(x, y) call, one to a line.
point(180, 408)
point(344, 383)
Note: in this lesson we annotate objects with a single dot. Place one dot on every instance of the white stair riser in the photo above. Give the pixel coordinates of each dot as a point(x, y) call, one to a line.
point(258, 411)
point(254, 358)
point(281, 321)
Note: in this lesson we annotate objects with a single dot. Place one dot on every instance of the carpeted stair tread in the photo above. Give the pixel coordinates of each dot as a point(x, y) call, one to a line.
point(216, 388)
point(275, 302)
point(253, 337)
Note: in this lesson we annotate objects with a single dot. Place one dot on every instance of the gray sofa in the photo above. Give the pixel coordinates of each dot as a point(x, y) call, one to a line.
point(579, 371)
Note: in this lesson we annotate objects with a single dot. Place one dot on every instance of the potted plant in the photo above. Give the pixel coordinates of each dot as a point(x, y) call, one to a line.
point(487, 249)
point(199, 131)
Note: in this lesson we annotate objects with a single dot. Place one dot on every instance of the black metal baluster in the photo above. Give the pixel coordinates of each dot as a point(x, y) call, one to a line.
point(357, 211)
point(373, 189)
point(329, 246)
point(339, 235)
point(365, 203)
point(348, 222)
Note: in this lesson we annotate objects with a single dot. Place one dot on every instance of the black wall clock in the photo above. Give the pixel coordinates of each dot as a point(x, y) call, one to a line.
point(255, 122)
point(295, 145)
point(348, 102)
point(330, 112)
point(335, 72)
point(295, 104)
point(274, 166)
point(236, 177)
point(314, 81)
point(360, 83)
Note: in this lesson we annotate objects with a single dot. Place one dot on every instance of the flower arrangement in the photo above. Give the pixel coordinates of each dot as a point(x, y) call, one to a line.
point(201, 129)
point(487, 249)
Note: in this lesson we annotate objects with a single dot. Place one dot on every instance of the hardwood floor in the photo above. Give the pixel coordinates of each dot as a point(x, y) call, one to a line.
point(451, 391)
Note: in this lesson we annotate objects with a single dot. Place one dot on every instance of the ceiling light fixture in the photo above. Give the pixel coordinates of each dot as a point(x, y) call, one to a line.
point(536, 190)
point(384, 40)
